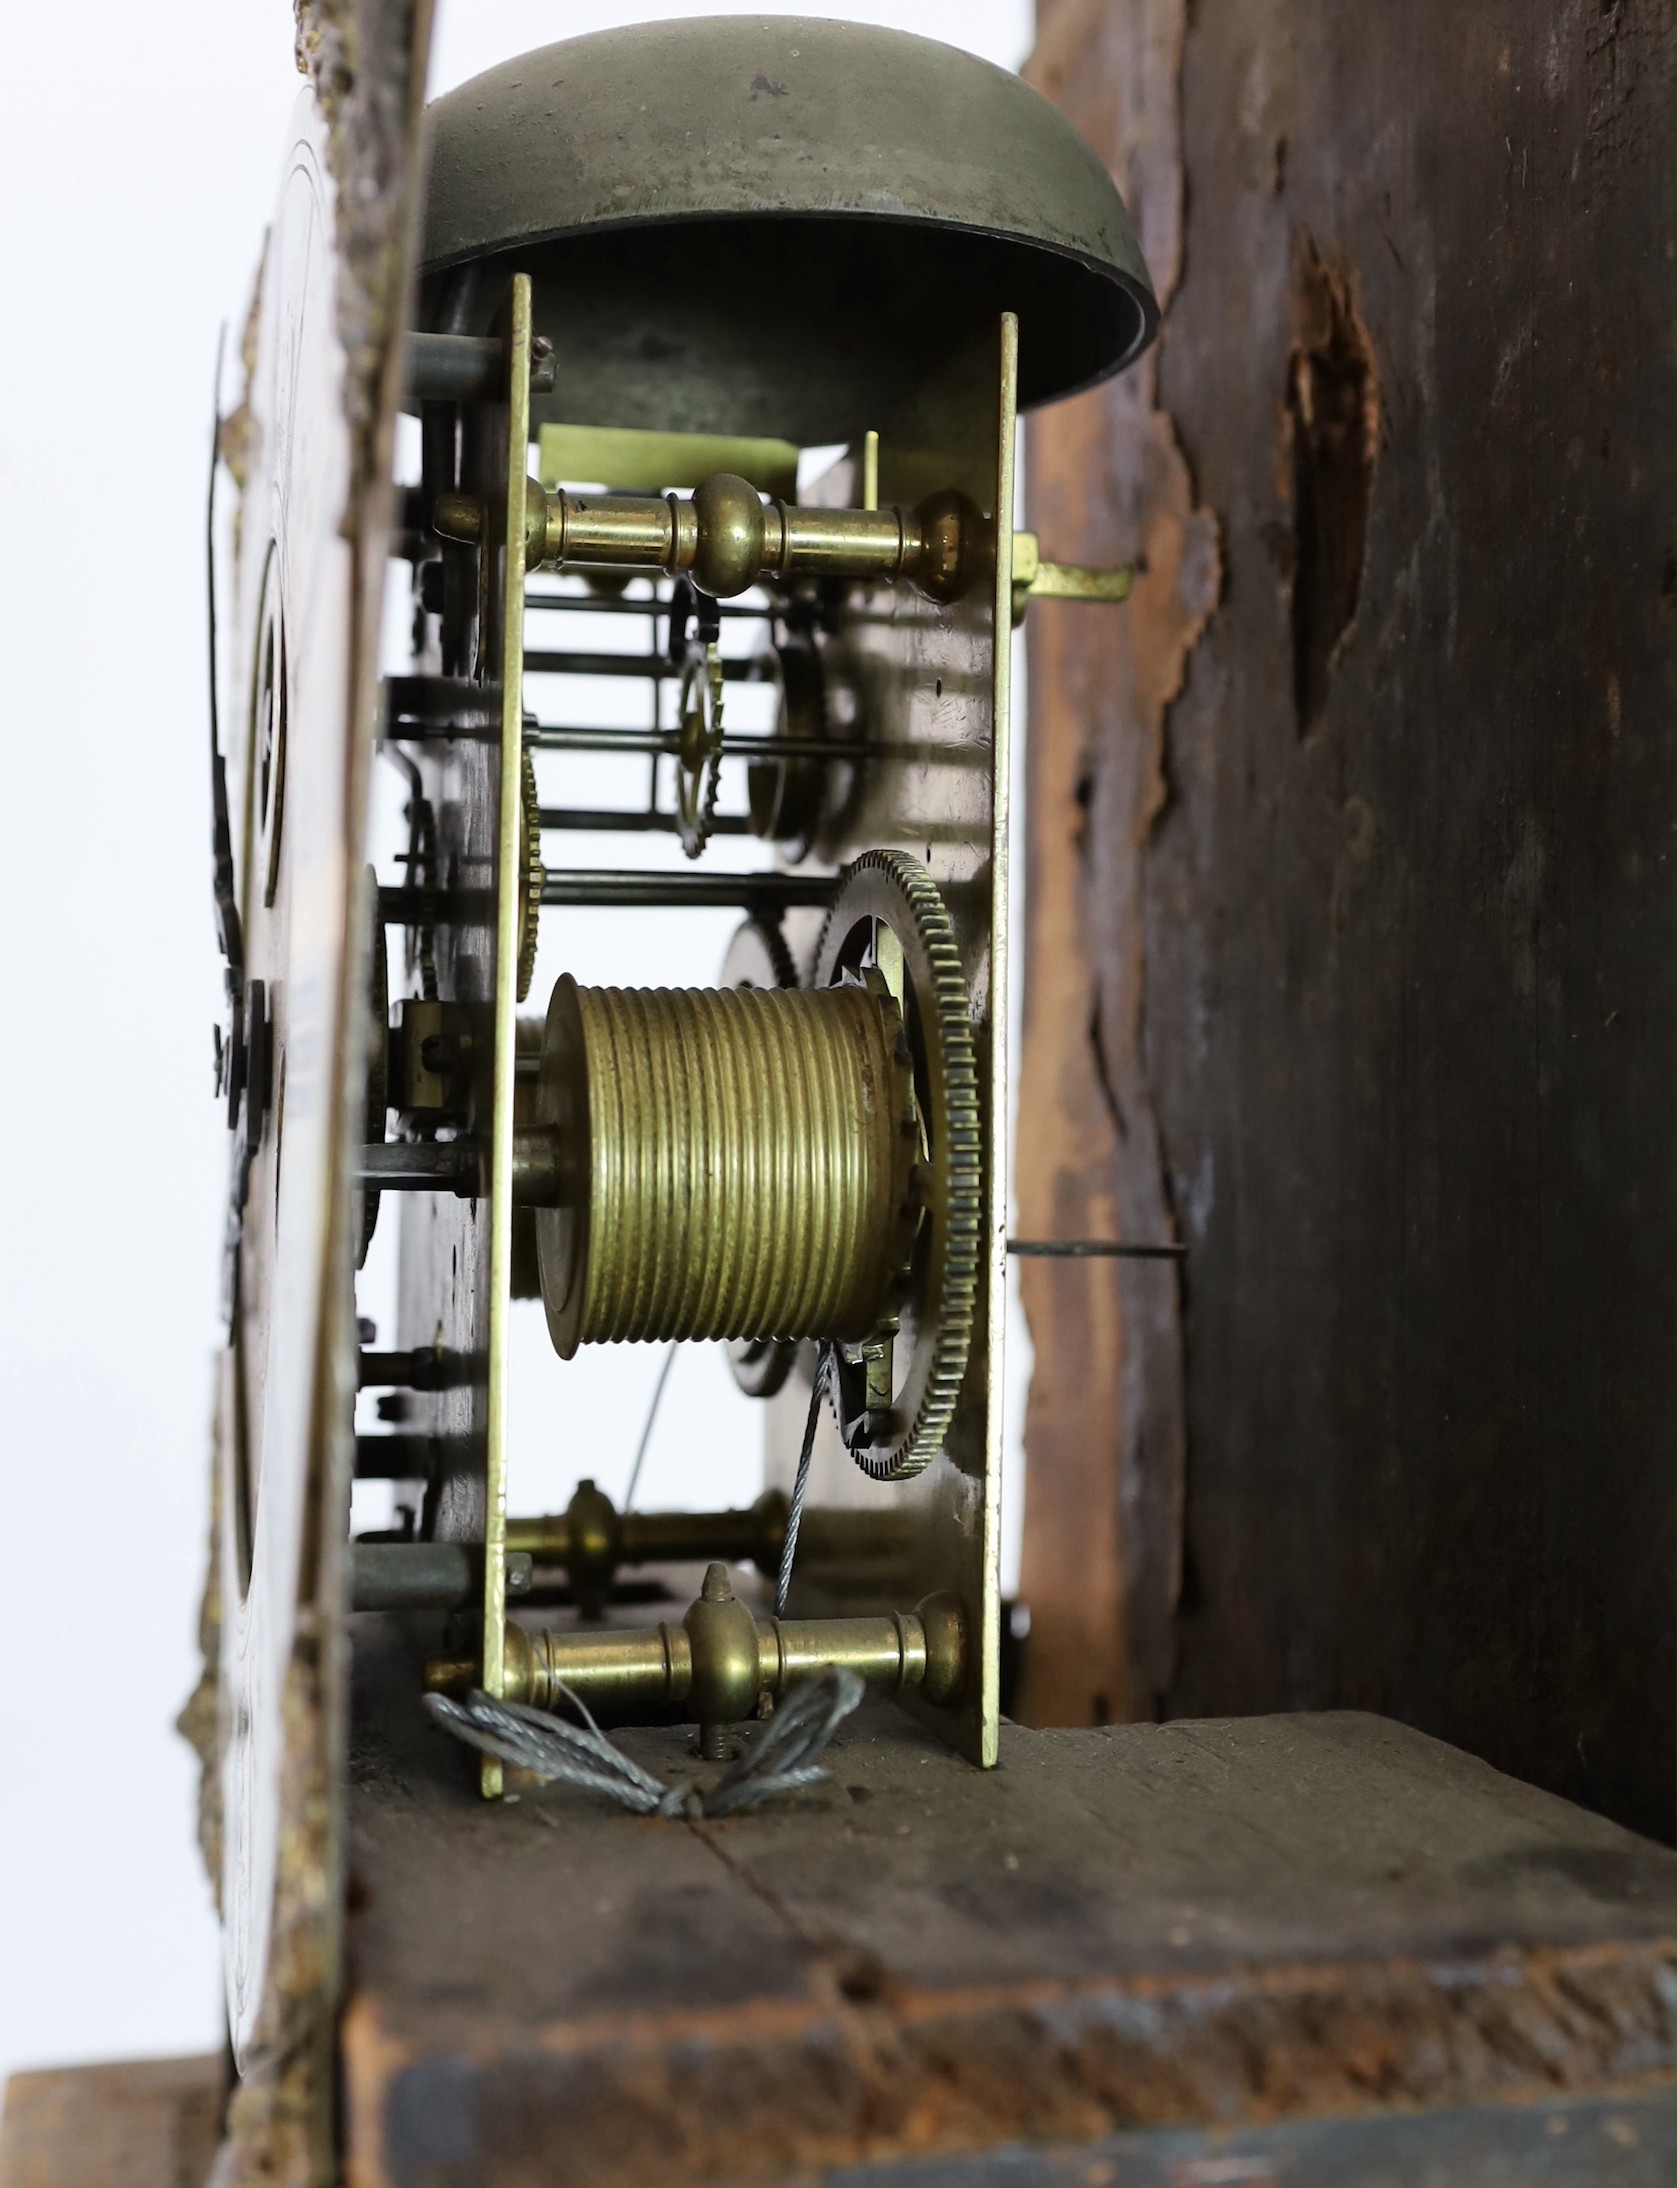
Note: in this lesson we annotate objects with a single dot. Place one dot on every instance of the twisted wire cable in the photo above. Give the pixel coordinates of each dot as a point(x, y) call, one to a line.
point(670, 1351)
point(800, 1482)
point(551, 1748)
point(782, 1759)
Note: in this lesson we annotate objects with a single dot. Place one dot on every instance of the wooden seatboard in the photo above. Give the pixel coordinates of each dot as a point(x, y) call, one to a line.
point(1193, 1923)
point(132, 2123)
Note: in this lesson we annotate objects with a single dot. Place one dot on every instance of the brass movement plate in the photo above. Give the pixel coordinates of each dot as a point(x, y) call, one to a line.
point(509, 570)
point(925, 684)
point(931, 685)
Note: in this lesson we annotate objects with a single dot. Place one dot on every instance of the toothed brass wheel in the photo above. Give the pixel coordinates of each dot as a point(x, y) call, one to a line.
point(699, 761)
point(894, 1394)
point(531, 874)
point(785, 795)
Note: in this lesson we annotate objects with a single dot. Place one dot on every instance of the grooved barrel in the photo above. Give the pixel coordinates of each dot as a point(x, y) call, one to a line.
point(734, 1162)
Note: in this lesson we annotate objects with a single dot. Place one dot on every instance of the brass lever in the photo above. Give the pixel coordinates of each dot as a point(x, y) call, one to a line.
point(1035, 579)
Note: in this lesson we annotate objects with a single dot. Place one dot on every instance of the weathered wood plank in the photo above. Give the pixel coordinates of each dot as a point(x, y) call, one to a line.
point(1596, 2143)
point(1144, 1926)
point(1394, 927)
point(133, 2123)
point(1109, 484)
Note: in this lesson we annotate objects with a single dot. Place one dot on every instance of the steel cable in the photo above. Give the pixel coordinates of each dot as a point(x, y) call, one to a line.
point(781, 1760)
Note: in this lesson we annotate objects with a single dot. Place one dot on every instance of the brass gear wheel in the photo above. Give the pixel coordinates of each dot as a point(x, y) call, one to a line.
point(786, 795)
point(699, 760)
point(889, 919)
point(758, 956)
point(531, 873)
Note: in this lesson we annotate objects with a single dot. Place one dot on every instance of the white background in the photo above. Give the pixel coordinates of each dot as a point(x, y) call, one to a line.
point(136, 170)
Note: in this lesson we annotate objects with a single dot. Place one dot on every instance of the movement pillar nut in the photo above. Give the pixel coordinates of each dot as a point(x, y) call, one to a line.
point(722, 1635)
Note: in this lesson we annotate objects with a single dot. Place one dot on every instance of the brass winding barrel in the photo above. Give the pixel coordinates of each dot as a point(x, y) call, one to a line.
point(733, 1162)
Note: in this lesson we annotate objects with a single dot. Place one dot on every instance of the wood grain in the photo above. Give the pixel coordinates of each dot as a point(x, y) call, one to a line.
point(1108, 483)
point(135, 2123)
point(1379, 924)
point(1224, 1922)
